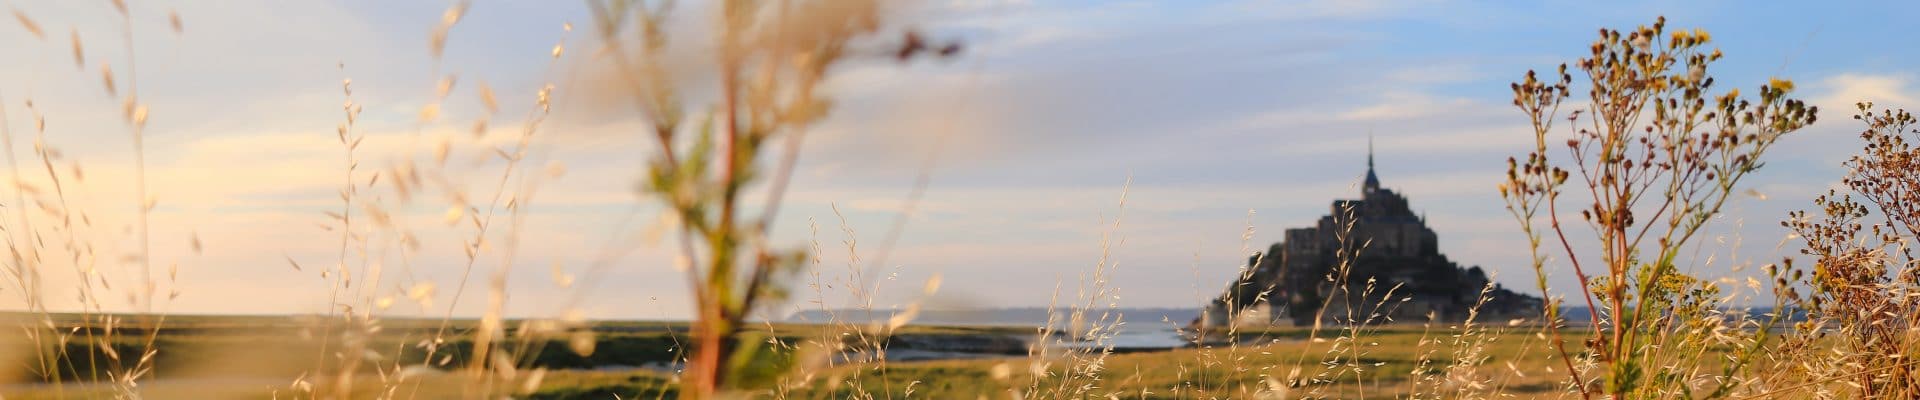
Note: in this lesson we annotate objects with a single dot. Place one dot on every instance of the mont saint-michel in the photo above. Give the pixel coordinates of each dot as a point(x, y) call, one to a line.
point(1373, 256)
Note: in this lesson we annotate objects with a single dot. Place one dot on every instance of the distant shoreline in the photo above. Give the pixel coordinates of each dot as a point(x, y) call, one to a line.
point(987, 317)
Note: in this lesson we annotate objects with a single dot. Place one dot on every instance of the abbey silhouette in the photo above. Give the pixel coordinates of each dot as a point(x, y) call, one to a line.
point(1388, 248)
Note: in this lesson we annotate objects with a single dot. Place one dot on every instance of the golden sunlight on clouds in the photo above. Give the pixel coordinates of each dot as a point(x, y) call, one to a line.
point(1846, 89)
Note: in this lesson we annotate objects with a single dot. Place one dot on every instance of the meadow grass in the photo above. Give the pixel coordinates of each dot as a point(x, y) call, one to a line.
point(1132, 375)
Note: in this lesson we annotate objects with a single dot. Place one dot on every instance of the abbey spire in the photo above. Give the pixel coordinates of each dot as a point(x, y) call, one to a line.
point(1373, 181)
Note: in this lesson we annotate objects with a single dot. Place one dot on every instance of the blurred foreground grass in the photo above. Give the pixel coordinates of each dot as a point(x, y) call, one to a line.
point(225, 357)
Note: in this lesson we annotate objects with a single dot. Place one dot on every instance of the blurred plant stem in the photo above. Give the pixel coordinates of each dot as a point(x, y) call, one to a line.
point(770, 56)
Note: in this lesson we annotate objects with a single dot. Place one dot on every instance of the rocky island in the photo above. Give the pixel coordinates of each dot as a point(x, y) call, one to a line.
point(1394, 272)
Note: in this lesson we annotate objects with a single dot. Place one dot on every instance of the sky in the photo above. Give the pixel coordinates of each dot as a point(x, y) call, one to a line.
point(1223, 123)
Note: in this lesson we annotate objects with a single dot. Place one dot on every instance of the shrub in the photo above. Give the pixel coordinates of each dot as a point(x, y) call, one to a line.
point(1864, 294)
point(1653, 155)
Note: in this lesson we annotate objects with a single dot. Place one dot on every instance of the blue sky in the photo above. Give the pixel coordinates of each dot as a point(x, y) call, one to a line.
point(1223, 114)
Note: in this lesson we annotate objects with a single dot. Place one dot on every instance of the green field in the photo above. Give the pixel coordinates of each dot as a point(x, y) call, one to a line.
point(261, 357)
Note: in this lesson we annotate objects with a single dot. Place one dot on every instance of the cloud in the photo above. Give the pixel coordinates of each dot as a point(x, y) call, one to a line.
point(1212, 109)
point(1404, 122)
point(1439, 73)
point(1320, 10)
point(1843, 90)
point(1413, 105)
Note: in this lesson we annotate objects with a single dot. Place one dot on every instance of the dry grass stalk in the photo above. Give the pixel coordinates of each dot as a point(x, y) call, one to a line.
point(1079, 337)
